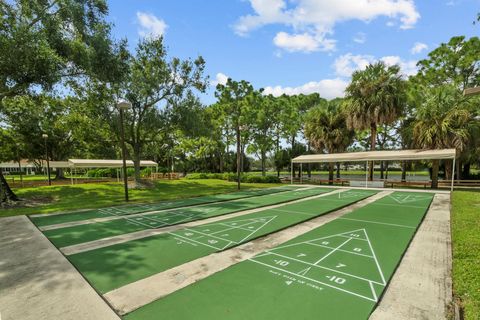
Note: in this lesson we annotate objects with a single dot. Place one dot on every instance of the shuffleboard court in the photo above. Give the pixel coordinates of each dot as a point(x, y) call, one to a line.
point(336, 271)
point(47, 220)
point(118, 265)
point(72, 235)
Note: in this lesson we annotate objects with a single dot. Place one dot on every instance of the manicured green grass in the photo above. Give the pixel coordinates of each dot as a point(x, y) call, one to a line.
point(82, 196)
point(466, 251)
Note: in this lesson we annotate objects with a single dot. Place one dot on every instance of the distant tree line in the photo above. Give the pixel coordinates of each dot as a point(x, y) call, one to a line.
point(62, 73)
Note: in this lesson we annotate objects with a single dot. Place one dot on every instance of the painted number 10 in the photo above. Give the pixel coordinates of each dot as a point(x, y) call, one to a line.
point(337, 279)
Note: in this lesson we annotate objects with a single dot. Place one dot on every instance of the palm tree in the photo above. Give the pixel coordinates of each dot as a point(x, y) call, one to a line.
point(326, 129)
point(442, 121)
point(375, 96)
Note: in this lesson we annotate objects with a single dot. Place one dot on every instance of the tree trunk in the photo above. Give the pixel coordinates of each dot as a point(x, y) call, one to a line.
point(136, 162)
point(6, 194)
point(466, 170)
point(404, 171)
point(435, 165)
point(448, 164)
point(381, 169)
point(263, 163)
point(238, 156)
point(330, 172)
point(292, 156)
point(373, 141)
point(458, 166)
point(59, 174)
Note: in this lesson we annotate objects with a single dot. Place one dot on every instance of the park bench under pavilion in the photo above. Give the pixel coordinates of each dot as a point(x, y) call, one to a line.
point(367, 156)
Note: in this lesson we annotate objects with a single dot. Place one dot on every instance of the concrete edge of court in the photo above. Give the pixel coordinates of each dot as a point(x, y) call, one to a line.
point(38, 282)
point(139, 293)
point(105, 242)
point(421, 287)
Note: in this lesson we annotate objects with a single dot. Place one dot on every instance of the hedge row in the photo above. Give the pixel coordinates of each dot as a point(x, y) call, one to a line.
point(233, 177)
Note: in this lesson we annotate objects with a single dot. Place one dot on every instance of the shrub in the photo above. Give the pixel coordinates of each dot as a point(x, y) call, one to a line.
point(246, 178)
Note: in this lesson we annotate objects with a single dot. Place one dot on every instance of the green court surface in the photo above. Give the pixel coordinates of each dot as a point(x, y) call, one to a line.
point(336, 271)
point(68, 236)
point(117, 265)
point(47, 220)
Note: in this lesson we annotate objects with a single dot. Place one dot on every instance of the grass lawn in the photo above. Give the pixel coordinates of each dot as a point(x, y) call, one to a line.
point(466, 251)
point(82, 196)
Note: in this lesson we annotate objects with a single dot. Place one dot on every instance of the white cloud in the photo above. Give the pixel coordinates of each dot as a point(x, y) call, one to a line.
point(360, 37)
point(408, 68)
point(150, 25)
point(220, 78)
point(327, 88)
point(346, 64)
point(418, 47)
point(315, 19)
point(302, 42)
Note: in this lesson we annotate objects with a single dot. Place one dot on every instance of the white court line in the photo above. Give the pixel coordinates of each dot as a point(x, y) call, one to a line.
point(204, 244)
point(373, 291)
point(341, 235)
point(294, 212)
point(395, 205)
point(208, 235)
point(383, 223)
point(235, 227)
point(144, 224)
point(375, 258)
point(323, 283)
point(316, 239)
point(318, 266)
point(327, 247)
point(328, 254)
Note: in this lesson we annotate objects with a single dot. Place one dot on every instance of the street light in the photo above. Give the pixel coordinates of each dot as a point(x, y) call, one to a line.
point(45, 137)
point(122, 106)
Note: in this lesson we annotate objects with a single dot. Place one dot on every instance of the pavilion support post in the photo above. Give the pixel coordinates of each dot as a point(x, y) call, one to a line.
point(118, 175)
point(453, 174)
point(71, 176)
point(291, 173)
point(366, 175)
point(301, 174)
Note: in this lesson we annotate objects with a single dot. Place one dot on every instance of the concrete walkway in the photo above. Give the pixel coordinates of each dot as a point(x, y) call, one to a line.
point(137, 294)
point(421, 288)
point(38, 283)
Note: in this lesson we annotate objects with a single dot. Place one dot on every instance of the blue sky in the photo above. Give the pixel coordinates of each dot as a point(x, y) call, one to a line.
point(295, 46)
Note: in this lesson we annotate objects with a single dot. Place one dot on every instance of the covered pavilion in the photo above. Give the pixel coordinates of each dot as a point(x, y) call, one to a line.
point(385, 155)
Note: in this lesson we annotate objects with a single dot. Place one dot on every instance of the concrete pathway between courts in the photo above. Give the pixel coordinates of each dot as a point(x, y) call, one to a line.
point(421, 288)
point(38, 283)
